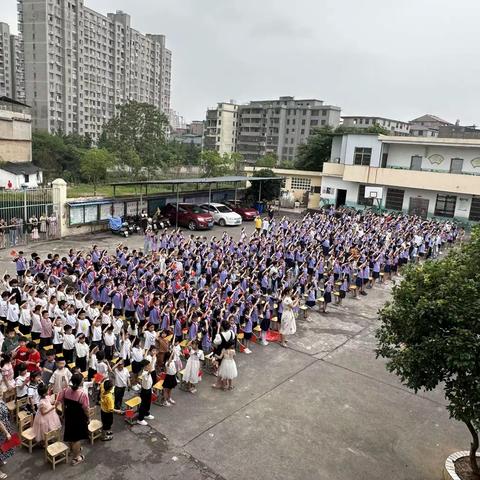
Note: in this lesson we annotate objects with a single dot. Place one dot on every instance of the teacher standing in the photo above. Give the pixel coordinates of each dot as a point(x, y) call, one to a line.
point(288, 325)
point(75, 407)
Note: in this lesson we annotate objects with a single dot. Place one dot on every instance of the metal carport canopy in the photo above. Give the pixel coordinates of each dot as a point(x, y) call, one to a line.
point(179, 181)
point(207, 180)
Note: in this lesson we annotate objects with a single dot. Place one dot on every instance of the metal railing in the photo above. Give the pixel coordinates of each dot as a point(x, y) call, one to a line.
point(22, 234)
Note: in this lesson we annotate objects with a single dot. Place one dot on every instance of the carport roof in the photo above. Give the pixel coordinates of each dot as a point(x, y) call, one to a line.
point(179, 181)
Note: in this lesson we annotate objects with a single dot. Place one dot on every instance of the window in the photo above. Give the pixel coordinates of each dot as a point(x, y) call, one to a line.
point(456, 165)
point(361, 200)
point(317, 190)
point(445, 206)
point(416, 162)
point(301, 183)
point(362, 156)
point(26, 178)
point(475, 210)
point(394, 200)
point(384, 159)
point(313, 122)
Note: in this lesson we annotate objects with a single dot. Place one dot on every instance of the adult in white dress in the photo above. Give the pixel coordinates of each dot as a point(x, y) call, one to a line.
point(288, 325)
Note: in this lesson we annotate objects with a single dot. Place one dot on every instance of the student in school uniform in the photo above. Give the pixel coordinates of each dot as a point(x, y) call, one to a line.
point(60, 378)
point(81, 351)
point(68, 345)
point(121, 382)
point(145, 394)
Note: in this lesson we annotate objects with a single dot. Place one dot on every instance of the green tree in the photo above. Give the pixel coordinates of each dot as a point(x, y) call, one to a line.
point(55, 157)
point(313, 154)
point(215, 165)
point(269, 160)
point(94, 166)
point(264, 190)
point(139, 127)
point(130, 162)
point(430, 333)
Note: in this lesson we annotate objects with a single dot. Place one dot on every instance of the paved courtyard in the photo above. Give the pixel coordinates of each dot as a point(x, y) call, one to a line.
point(324, 408)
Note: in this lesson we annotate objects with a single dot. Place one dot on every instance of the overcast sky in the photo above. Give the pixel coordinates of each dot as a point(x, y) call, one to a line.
point(393, 58)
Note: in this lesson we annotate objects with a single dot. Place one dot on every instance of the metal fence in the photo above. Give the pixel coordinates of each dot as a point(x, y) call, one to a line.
point(27, 216)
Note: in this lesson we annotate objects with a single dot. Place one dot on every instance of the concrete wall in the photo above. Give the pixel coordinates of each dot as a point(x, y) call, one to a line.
point(350, 142)
point(15, 137)
point(18, 180)
point(400, 156)
point(462, 209)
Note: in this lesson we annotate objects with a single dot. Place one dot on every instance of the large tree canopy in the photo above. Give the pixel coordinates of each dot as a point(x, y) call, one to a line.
point(430, 332)
point(137, 127)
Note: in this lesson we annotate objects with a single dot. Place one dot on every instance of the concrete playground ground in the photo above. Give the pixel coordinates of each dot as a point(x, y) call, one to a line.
point(323, 408)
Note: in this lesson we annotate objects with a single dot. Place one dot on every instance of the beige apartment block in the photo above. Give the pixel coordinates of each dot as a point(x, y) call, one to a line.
point(221, 125)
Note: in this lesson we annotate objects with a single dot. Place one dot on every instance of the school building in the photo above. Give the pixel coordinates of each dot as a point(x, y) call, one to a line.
point(424, 176)
point(304, 185)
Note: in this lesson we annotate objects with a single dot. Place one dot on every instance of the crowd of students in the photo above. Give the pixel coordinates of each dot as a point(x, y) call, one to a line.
point(85, 327)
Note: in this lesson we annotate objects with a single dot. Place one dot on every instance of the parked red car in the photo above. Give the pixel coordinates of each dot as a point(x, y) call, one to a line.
point(189, 215)
point(247, 213)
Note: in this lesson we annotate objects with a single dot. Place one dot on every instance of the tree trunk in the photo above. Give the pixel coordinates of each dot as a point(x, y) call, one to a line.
point(473, 450)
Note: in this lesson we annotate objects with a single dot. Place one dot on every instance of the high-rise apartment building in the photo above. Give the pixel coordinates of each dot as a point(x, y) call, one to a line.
point(5, 61)
point(80, 64)
point(221, 128)
point(280, 126)
point(266, 126)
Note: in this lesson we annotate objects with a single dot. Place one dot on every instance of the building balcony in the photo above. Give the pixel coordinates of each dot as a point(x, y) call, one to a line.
point(400, 178)
point(333, 169)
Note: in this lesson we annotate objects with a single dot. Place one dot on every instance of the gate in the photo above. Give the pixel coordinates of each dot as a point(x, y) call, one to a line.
point(27, 216)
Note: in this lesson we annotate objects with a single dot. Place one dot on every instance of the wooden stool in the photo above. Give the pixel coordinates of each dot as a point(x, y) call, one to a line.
point(55, 450)
point(274, 324)
point(27, 435)
point(132, 405)
point(94, 427)
point(158, 391)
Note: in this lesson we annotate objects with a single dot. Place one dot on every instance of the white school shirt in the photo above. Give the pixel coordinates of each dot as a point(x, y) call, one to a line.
point(57, 335)
point(61, 296)
point(146, 380)
point(13, 312)
point(122, 377)
point(71, 319)
point(21, 390)
point(79, 303)
point(125, 351)
point(102, 368)
point(68, 341)
point(96, 333)
point(25, 317)
point(150, 338)
point(171, 369)
point(84, 327)
point(92, 363)
point(109, 339)
point(117, 326)
point(106, 320)
point(81, 349)
point(137, 354)
point(152, 360)
point(41, 301)
point(92, 313)
point(36, 324)
point(3, 308)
